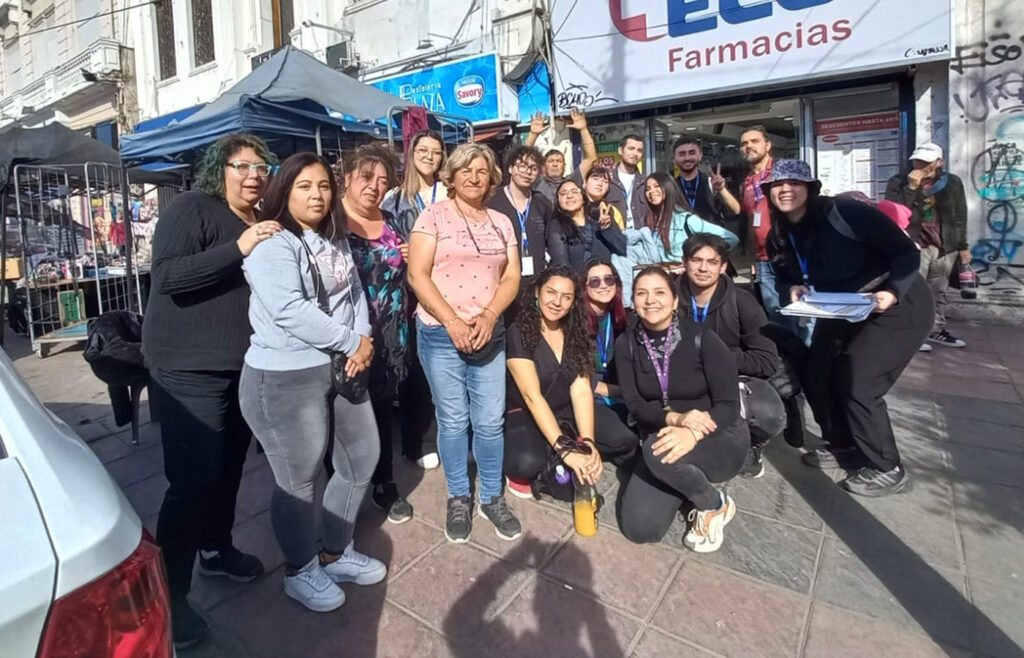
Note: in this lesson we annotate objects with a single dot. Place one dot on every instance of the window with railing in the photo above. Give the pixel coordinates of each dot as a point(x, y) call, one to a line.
point(168, 65)
point(202, 32)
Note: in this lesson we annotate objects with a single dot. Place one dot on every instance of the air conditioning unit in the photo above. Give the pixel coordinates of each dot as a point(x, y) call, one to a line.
point(341, 55)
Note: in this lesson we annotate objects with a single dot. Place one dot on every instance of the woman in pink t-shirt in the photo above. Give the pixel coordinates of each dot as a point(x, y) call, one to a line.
point(464, 269)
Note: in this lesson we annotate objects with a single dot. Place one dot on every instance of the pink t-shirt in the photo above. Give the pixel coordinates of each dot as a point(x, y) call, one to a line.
point(467, 266)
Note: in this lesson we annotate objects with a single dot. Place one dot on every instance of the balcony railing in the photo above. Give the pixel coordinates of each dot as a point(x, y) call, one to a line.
point(103, 56)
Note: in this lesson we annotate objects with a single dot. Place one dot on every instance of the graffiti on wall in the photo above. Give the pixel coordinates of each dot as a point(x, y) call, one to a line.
point(987, 85)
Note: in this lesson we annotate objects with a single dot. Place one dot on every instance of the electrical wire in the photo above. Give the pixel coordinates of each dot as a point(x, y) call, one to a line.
point(95, 16)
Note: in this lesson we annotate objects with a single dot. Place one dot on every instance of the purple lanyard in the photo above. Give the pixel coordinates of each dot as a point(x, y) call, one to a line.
point(660, 365)
point(756, 184)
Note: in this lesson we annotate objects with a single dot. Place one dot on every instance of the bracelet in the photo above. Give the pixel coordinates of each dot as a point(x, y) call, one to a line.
point(488, 310)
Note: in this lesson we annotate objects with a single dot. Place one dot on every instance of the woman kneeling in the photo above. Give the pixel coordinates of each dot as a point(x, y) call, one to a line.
point(680, 384)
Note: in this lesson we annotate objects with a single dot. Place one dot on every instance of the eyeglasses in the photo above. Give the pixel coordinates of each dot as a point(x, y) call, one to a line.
point(526, 168)
point(572, 191)
point(487, 251)
point(608, 280)
point(431, 153)
point(245, 168)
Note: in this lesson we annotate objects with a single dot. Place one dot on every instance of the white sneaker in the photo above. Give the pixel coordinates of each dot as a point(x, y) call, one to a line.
point(354, 567)
point(706, 527)
point(925, 347)
point(311, 587)
point(429, 461)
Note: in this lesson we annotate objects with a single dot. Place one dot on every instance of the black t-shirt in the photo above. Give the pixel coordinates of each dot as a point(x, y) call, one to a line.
point(554, 380)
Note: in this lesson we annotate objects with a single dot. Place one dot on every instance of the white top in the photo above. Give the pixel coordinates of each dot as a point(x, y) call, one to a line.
point(627, 185)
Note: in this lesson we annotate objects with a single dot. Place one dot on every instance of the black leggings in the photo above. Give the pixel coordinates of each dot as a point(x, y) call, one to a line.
point(655, 491)
point(527, 451)
point(851, 366)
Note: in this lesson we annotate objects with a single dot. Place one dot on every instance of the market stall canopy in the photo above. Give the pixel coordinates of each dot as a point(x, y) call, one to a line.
point(59, 146)
point(286, 98)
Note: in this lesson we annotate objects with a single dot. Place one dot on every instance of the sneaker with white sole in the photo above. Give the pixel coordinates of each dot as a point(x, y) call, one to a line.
point(429, 461)
point(506, 525)
point(313, 588)
point(519, 488)
point(943, 337)
point(706, 526)
point(354, 567)
point(925, 347)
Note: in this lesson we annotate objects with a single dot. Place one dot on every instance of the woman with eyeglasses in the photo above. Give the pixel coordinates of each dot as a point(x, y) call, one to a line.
point(679, 381)
point(421, 186)
point(605, 319)
point(464, 268)
point(574, 237)
point(194, 340)
point(670, 220)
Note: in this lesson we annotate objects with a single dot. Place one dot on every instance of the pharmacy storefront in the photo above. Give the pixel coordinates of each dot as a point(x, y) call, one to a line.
point(844, 84)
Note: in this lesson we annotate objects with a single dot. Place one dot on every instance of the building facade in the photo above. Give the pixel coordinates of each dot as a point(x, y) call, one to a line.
point(65, 60)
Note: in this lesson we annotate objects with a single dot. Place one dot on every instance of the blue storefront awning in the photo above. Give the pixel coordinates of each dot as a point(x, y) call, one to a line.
point(167, 119)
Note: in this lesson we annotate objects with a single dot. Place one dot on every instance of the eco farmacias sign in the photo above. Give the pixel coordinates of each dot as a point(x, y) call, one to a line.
point(613, 52)
point(470, 88)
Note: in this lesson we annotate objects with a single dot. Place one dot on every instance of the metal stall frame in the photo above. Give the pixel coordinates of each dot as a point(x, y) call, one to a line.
point(452, 118)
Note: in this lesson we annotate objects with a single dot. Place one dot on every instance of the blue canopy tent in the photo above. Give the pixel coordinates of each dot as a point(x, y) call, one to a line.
point(292, 100)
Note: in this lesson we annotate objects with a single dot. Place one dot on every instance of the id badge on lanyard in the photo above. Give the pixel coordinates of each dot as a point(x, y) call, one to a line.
point(758, 197)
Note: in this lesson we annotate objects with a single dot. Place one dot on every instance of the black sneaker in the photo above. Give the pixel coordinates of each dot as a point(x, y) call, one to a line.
point(753, 467)
point(943, 337)
point(506, 525)
point(872, 483)
point(386, 497)
point(459, 523)
point(825, 457)
point(231, 563)
point(188, 629)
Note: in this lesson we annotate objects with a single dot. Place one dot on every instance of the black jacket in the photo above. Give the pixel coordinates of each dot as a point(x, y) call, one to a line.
point(637, 202)
point(577, 245)
point(951, 204)
point(849, 246)
point(706, 204)
point(536, 223)
point(113, 349)
point(737, 318)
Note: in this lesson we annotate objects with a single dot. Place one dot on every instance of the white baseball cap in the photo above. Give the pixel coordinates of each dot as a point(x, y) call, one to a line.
point(927, 152)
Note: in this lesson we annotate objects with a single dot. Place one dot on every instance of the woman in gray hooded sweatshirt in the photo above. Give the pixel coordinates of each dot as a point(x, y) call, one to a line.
point(307, 303)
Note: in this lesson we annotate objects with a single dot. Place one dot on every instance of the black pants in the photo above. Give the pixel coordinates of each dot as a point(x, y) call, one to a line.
point(527, 452)
point(205, 440)
point(654, 491)
point(851, 366)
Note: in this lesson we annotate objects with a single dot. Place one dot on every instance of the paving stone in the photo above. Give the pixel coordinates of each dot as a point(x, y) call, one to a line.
point(137, 466)
point(147, 496)
point(550, 620)
point(969, 364)
point(655, 644)
point(774, 497)
point(615, 570)
point(991, 519)
point(984, 465)
point(729, 614)
point(986, 435)
point(992, 411)
point(981, 389)
point(838, 633)
point(254, 491)
point(430, 499)
point(540, 522)
point(397, 635)
point(394, 545)
point(895, 585)
point(458, 587)
point(927, 530)
point(999, 609)
point(251, 536)
point(771, 552)
point(115, 446)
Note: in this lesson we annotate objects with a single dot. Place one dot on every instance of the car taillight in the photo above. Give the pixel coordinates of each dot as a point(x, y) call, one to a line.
point(125, 613)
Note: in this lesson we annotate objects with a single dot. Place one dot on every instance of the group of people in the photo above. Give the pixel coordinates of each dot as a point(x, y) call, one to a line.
point(300, 302)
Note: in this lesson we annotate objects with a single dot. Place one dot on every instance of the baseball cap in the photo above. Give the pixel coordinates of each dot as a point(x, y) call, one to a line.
point(927, 152)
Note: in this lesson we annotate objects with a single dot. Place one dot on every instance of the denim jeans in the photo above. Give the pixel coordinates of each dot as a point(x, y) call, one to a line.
point(773, 299)
point(465, 394)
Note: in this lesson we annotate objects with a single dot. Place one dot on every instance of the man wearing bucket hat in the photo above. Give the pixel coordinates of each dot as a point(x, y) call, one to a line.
point(938, 224)
point(840, 245)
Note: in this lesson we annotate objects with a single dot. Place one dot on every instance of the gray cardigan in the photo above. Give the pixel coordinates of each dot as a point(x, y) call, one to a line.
point(290, 332)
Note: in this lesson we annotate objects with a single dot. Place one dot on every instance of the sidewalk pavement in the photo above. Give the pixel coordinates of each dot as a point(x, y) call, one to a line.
point(806, 569)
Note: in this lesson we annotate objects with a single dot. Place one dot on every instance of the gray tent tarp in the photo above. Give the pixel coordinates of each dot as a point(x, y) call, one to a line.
point(288, 96)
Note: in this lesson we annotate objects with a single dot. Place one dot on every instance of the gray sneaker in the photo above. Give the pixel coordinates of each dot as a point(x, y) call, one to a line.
point(506, 525)
point(873, 483)
point(459, 523)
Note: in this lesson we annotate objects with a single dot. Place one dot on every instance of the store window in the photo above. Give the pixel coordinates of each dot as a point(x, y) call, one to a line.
point(165, 40)
point(607, 138)
point(202, 32)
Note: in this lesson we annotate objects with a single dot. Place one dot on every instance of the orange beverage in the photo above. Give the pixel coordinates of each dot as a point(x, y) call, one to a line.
point(584, 517)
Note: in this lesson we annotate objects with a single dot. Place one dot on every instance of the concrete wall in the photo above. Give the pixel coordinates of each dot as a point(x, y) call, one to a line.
point(986, 133)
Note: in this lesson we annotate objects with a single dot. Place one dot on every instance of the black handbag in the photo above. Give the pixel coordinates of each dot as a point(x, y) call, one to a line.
point(353, 389)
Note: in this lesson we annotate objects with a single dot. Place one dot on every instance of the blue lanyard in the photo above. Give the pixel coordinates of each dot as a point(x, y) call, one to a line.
point(800, 259)
point(699, 318)
point(686, 190)
point(433, 197)
point(602, 346)
point(523, 216)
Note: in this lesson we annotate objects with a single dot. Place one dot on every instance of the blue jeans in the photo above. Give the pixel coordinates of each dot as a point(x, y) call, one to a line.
point(773, 299)
point(465, 393)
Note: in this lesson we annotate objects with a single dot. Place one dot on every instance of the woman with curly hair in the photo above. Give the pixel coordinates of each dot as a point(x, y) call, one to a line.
point(549, 356)
point(194, 339)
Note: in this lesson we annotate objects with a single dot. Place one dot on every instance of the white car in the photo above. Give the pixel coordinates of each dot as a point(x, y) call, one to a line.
point(79, 577)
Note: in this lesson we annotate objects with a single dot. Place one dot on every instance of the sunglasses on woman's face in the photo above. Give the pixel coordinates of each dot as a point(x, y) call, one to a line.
point(596, 282)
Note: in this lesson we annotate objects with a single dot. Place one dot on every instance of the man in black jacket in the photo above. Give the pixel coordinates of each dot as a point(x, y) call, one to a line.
point(707, 296)
point(938, 225)
point(528, 210)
